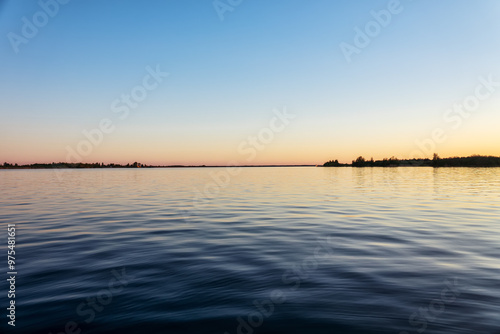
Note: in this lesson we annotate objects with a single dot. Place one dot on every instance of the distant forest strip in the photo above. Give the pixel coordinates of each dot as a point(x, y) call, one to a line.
point(436, 161)
point(7, 165)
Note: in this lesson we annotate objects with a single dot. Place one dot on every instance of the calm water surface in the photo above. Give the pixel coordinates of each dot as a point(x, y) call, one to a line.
point(270, 250)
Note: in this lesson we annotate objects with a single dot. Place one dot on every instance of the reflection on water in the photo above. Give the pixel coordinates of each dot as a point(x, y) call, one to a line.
point(268, 250)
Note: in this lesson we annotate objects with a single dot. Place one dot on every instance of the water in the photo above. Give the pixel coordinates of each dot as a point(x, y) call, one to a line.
point(270, 250)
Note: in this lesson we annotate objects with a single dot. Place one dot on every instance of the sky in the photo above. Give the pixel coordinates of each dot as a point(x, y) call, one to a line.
point(225, 82)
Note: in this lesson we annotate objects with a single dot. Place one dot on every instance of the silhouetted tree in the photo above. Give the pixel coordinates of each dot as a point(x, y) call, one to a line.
point(359, 162)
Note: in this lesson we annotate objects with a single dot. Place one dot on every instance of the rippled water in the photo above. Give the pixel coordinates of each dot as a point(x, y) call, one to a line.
point(269, 250)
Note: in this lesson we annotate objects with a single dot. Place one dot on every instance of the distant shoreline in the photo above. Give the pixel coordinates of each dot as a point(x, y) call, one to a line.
point(436, 161)
point(117, 166)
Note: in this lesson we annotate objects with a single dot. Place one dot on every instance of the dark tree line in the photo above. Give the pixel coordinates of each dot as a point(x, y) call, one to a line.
point(471, 161)
point(7, 165)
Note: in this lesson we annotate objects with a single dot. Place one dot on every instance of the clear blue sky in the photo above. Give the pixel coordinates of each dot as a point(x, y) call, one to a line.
point(225, 78)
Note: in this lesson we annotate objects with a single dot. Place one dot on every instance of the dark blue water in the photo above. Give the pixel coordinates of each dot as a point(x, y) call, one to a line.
point(269, 250)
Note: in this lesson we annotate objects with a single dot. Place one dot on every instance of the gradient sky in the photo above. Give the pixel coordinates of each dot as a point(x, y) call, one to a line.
point(227, 76)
